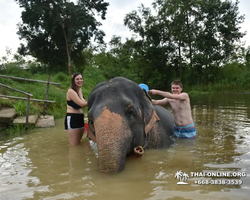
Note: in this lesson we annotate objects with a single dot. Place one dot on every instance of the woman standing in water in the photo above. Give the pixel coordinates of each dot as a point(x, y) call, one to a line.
point(74, 120)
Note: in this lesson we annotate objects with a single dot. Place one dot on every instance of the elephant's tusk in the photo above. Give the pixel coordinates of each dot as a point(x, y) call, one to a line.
point(139, 150)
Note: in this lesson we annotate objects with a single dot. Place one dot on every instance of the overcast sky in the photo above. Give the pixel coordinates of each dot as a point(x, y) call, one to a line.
point(113, 25)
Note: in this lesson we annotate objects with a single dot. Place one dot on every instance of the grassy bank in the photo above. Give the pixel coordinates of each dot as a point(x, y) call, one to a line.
point(57, 93)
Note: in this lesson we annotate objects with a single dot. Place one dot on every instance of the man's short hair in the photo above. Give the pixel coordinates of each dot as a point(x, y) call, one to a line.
point(177, 82)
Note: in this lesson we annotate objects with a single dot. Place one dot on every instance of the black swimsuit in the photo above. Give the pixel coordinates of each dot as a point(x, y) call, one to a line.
point(73, 104)
point(74, 120)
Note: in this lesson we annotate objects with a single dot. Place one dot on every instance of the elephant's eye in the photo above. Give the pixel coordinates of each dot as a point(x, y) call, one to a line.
point(91, 125)
point(90, 121)
point(130, 114)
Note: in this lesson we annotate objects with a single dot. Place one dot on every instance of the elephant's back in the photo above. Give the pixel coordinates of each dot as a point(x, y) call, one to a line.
point(166, 118)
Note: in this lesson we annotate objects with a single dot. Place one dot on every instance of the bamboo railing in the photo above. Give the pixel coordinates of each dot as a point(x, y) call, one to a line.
point(26, 79)
point(13, 97)
point(28, 103)
point(29, 95)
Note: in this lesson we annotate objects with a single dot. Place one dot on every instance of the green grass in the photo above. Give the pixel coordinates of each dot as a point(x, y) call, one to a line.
point(20, 107)
point(57, 93)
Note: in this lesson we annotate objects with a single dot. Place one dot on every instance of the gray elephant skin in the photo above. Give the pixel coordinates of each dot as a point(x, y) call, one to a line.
point(122, 120)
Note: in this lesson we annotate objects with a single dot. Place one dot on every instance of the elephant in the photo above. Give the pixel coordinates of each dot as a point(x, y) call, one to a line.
point(122, 121)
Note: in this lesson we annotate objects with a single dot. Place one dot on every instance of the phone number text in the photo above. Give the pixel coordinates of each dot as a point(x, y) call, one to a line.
point(219, 182)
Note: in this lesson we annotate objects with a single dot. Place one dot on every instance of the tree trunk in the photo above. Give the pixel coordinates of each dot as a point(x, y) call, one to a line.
point(179, 58)
point(69, 64)
point(189, 41)
point(68, 49)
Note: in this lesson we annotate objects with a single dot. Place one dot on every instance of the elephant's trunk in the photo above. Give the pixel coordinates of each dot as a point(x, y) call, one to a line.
point(110, 160)
point(111, 153)
point(112, 139)
point(139, 151)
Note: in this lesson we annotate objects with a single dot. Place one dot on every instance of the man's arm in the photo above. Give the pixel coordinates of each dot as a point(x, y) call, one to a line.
point(160, 102)
point(168, 95)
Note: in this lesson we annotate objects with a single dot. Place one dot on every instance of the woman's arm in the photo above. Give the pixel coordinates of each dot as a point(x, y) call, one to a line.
point(80, 94)
point(72, 95)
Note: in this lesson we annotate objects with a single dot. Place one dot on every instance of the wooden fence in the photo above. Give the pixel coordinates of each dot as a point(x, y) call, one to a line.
point(29, 95)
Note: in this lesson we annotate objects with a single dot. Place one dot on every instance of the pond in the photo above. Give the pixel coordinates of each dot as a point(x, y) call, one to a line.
point(215, 165)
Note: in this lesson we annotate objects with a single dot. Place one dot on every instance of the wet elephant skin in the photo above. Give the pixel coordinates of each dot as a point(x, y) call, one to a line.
point(121, 118)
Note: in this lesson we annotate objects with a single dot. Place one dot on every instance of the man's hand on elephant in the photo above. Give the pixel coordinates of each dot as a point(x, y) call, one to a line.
point(152, 92)
point(154, 101)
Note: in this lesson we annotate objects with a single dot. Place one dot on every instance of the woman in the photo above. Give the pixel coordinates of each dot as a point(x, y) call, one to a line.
point(74, 120)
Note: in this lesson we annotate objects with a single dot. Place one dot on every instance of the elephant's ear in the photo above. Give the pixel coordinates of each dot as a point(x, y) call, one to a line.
point(147, 95)
point(154, 117)
point(150, 115)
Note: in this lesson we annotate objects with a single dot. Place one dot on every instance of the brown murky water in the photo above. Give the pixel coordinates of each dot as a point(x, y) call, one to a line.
point(41, 165)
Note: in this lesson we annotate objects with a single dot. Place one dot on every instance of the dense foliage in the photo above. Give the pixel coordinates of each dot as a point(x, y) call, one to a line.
point(189, 40)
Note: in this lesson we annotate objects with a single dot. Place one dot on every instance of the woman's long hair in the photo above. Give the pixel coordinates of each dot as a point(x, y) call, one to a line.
point(73, 84)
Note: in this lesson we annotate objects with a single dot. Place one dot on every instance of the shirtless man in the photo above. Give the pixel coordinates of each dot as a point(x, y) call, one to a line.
point(180, 103)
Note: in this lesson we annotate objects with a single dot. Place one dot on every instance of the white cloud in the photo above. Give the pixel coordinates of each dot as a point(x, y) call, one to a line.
point(113, 25)
point(9, 17)
point(244, 7)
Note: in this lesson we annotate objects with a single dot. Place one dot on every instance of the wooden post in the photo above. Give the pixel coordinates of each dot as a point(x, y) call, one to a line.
point(46, 97)
point(27, 113)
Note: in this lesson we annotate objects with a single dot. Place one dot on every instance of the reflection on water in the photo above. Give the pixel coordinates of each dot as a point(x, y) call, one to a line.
point(41, 165)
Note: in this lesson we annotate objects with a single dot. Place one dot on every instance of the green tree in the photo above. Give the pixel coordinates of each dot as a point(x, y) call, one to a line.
point(219, 36)
point(191, 36)
point(57, 31)
point(154, 47)
point(118, 61)
point(247, 58)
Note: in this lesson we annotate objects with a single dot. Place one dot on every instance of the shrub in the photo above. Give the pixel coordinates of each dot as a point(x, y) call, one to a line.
point(20, 107)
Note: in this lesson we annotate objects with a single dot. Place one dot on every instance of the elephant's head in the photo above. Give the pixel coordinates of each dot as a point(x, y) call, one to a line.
point(120, 115)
